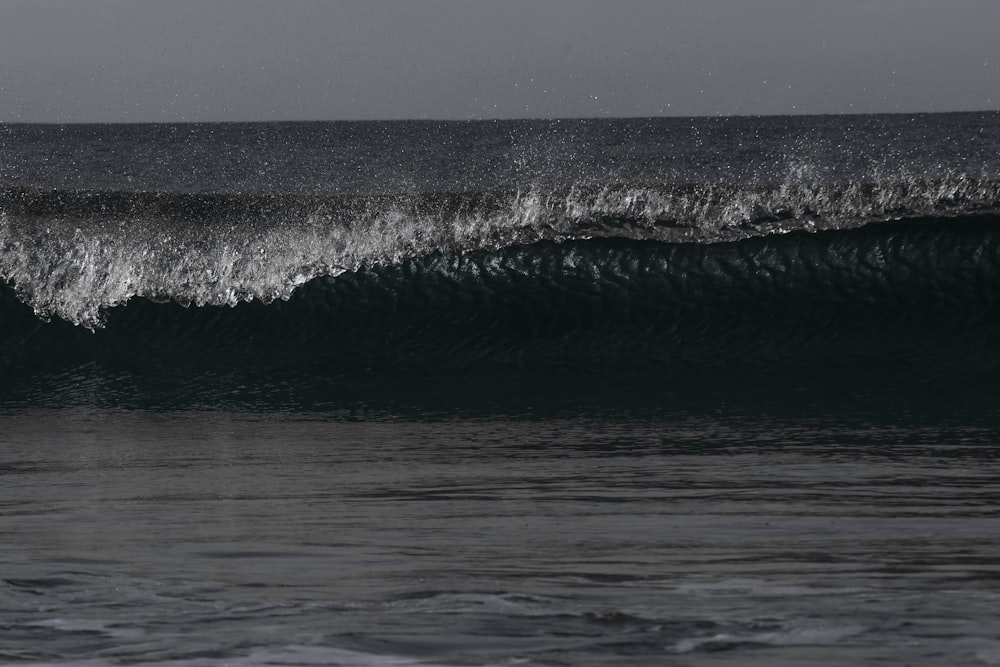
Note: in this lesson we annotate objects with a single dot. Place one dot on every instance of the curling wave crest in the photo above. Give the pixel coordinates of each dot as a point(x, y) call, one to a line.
point(73, 254)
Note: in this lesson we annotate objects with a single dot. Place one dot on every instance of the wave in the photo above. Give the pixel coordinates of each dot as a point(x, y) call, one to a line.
point(878, 319)
point(76, 255)
point(879, 292)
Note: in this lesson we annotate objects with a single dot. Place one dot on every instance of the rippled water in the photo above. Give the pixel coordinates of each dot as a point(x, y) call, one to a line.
point(208, 538)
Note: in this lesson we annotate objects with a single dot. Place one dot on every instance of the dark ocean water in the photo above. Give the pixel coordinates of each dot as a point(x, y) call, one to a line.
point(673, 391)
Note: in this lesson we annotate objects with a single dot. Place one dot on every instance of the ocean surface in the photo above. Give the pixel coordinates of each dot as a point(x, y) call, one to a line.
point(701, 392)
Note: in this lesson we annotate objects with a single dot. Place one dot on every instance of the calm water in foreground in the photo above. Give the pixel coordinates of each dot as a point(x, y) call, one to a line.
point(207, 538)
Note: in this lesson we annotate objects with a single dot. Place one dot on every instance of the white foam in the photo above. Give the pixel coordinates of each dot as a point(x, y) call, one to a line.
point(77, 267)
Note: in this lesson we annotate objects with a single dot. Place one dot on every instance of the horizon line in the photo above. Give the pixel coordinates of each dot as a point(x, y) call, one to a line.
point(550, 119)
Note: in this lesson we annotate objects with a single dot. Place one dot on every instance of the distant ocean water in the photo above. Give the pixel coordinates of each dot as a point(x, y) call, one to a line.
point(642, 391)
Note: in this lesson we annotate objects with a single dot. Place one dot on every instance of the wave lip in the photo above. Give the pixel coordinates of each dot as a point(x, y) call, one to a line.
point(74, 254)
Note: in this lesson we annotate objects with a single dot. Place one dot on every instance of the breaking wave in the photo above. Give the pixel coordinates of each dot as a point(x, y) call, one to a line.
point(75, 254)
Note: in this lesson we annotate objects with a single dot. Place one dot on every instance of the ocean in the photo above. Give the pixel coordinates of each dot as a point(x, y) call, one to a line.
point(678, 391)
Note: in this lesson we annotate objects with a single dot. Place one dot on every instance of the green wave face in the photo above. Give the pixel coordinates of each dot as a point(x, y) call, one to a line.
point(907, 306)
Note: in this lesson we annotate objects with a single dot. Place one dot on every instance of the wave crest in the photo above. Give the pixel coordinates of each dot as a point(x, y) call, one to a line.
point(73, 254)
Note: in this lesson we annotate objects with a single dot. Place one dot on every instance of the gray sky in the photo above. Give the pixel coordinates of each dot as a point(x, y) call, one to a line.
point(173, 60)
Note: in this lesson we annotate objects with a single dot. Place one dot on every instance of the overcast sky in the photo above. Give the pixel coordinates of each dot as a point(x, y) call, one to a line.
point(209, 60)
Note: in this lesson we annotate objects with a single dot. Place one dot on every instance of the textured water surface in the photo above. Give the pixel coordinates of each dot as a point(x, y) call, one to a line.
point(225, 538)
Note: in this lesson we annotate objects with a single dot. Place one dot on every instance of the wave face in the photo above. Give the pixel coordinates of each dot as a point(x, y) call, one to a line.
point(831, 271)
point(914, 298)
